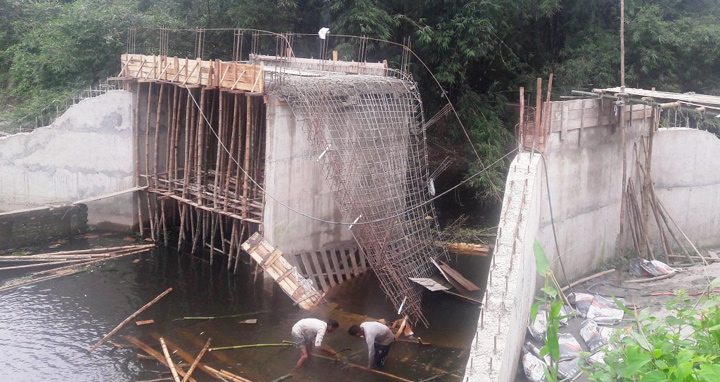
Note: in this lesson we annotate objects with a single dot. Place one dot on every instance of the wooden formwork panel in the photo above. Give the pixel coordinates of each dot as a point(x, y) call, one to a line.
point(332, 267)
point(189, 72)
point(285, 275)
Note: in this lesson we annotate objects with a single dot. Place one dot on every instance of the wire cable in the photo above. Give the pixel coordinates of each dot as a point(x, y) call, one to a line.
point(552, 219)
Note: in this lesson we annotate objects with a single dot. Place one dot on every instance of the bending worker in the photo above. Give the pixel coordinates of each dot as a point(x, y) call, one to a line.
point(378, 338)
point(311, 330)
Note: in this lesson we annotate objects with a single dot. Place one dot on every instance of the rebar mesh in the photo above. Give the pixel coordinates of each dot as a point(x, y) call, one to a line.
point(367, 132)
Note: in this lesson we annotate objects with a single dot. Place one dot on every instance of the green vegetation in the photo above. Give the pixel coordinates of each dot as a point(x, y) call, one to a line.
point(683, 346)
point(479, 51)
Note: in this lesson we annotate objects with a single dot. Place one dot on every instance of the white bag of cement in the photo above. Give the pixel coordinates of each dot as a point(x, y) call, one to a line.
point(533, 367)
point(582, 302)
point(595, 337)
point(605, 311)
point(600, 309)
point(597, 358)
point(569, 347)
point(569, 370)
point(538, 327)
point(536, 352)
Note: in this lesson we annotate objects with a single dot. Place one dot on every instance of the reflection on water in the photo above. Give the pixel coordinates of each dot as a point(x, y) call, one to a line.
point(47, 328)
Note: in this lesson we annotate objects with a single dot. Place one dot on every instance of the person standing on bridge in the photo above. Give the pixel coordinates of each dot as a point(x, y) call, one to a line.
point(378, 338)
point(311, 330)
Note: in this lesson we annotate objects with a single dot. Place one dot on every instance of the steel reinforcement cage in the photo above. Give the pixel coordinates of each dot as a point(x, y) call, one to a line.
point(367, 131)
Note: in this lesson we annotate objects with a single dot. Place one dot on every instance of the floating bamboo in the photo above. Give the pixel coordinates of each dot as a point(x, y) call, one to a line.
point(197, 360)
point(152, 352)
point(216, 317)
point(170, 363)
point(132, 317)
point(250, 346)
point(365, 368)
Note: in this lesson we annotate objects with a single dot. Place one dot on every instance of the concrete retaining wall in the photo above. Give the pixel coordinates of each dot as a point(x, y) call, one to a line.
point(293, 176)
point(511, 281)
point(31, 227)
point(584, 167)
point(86, 152)
point(687, 181)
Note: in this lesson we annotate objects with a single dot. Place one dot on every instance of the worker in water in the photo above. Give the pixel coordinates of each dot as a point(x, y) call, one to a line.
point(378, 338)
point(311, 330)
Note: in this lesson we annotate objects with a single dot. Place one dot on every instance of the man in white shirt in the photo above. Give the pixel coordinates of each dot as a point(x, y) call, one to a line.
point(311, 330)
point(378, 338)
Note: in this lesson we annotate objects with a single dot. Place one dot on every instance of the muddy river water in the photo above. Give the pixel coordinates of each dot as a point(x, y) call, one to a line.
point(47, 328)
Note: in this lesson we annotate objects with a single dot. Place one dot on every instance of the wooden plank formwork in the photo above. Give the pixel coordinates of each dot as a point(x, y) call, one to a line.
point(212, 74)
point(270, 259)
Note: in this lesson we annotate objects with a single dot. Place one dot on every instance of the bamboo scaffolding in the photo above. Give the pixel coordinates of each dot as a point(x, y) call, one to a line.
point(129, 319)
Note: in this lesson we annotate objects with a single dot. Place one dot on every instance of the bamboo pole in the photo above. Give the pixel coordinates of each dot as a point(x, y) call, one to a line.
point(156, 151)
point(136, 128)
point(233, 139)
point(623, 147)
point(219, 149)
point(233, 232)
point(170, 363)
point(147, 162)
point(164, 223)
point(130, 318)
point(147, 135)
point(169, 139)
point(257, 154)
point(683, 233)
point(249, 346)
point(197, 360)
point(93, 250)
point(521, 134)
point(246, 162)
point(207, 369)
point(199, 145)
point(538, 109)
point(284, 377)
point(582, 280)
point(45, 264)
point(93, 261)
point(672, 234)
point(61, 272)
point(213, 231)
point(197, 230)
point(239, 248)
point(222, 232)
point(152, 352)
point(365, 368)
